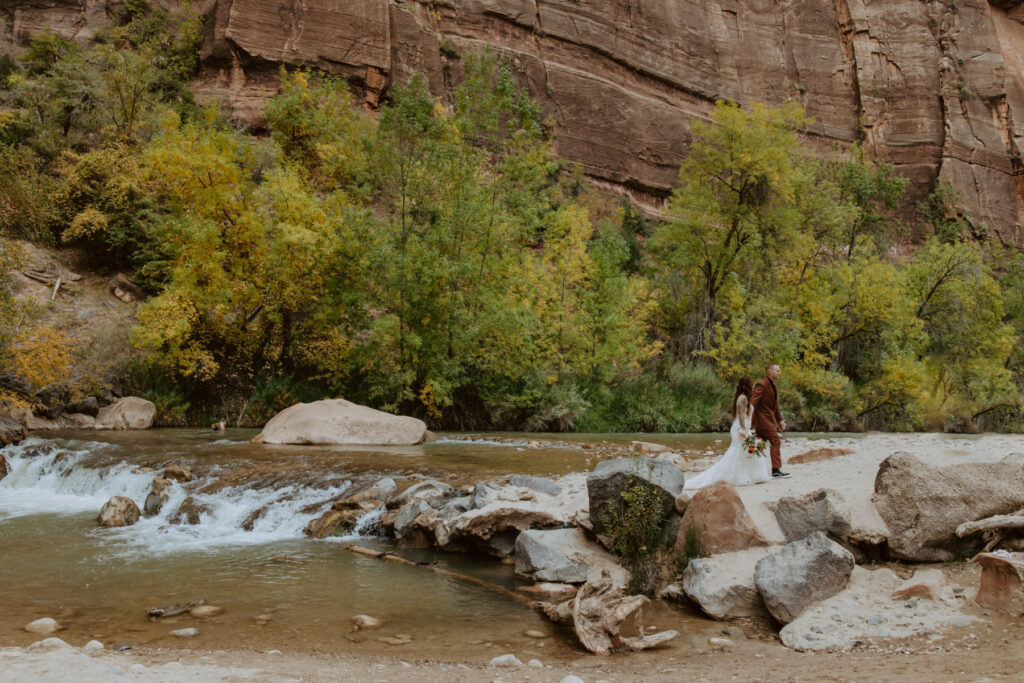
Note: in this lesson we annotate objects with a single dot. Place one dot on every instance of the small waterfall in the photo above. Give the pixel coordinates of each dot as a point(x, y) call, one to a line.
point(45, 479)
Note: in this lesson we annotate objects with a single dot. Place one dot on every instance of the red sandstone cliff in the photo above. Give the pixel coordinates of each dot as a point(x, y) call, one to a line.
point(936, 87)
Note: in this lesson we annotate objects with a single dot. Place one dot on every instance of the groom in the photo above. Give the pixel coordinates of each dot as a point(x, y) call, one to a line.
point(767, 419)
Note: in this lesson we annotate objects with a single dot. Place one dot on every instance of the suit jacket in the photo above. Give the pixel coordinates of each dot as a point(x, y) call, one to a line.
point(765, 400)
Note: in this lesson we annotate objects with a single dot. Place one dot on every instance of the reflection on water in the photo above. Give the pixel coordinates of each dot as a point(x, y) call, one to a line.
point(278, 588)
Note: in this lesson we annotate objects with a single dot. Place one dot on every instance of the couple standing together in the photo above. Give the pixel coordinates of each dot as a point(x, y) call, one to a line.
point(755, 407)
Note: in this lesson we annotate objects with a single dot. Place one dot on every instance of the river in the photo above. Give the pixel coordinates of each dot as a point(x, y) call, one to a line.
point(248, 553)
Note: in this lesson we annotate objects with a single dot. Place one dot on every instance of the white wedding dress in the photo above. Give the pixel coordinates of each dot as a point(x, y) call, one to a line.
point(736, 466)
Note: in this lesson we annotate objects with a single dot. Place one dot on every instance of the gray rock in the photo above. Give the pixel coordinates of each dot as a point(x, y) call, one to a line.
point(822, 510)
point(92, 646)
point(505, 660)
point(461, 504)
point(539, 484)
point(552, 555)
point(408, 514)
point(185, 632)
point(535, 664)
point(802, 573)
point(922, 505)
point(49, 644)
point(430, 490)
point(481, 494)
point(611, 477)
point(723, 585)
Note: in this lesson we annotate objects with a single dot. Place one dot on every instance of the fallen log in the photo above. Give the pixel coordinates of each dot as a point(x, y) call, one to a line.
point(391, 557)
point(1014, 521)
point(597, 613)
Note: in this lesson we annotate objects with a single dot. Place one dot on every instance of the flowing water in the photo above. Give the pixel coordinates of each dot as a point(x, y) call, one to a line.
point(248, 553)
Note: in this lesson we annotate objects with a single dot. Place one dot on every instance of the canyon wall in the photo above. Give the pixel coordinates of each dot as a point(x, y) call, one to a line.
point(935, 87)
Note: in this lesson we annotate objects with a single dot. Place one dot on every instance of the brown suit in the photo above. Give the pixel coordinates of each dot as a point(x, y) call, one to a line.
point(765, 400)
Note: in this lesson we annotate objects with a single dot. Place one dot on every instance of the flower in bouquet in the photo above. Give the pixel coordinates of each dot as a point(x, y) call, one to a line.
point(755, 445)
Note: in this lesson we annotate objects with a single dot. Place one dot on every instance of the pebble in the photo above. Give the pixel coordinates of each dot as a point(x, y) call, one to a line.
point(572, 679)
point(719, 642)
point(363, 621)
point(535, 664)
point(48, 644)
point(958, 590)
point(185, 632)
point(960, 622)
point(816, 629)
point(534, 633)
point(122, 648)
point(734, 632)
point(205, 610)
point(93, 646)
point(400, 639)
point(505, 660)
point(934, 636)
point(43, 626)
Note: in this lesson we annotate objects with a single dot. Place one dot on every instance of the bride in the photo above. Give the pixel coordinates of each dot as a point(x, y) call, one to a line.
point(737, 466)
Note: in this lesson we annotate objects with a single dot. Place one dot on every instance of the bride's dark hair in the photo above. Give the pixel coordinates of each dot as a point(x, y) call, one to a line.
point(743, 388)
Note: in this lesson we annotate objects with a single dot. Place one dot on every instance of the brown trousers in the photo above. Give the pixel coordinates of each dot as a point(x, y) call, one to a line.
point(771, 435)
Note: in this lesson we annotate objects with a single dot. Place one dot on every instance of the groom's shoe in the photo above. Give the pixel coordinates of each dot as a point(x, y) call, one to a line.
point(779, 474)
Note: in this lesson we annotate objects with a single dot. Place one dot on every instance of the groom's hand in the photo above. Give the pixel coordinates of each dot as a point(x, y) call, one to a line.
point(782, 427)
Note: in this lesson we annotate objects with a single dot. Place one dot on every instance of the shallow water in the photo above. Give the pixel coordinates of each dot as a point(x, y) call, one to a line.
point(279, 589)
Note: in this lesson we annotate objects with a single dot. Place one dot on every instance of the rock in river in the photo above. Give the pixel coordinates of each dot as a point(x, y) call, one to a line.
point(337, 421)
point(119, 511)
point(44, 626)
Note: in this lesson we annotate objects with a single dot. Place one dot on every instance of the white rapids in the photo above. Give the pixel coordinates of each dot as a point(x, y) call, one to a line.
point(61, 481)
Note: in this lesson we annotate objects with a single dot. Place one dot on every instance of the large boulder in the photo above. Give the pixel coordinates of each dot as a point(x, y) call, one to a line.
point(130, 412)
point(1002, 583)
point(119, 511)
point(334, 523)
point(822, 510)
point(802, 573)
point(558, 555)
point(89, 405)
point(922, 504)
point(723, 586)
point(720, 521)
point(49, 401)
point(610, 478)
point(337, 421)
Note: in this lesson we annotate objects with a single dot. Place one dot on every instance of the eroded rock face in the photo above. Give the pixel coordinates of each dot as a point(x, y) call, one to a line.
point(337, 421)
point(802, 573)
point(119, 511)
point(935, 88)
point(130, 412)
point(719, 519)
point(4, 467)
point(1002, 583)
point(922, 505)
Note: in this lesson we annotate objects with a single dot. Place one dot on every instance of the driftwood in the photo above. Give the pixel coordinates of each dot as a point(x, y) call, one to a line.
point(1014, 521)
point(391, 557)
point(172, 610)
point(997, 524)
point(597, 613)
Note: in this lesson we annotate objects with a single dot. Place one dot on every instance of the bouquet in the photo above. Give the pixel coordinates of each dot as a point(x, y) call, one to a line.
point(755, 445)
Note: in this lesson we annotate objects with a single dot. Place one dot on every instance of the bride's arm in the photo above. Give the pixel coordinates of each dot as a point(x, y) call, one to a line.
point(742, 413)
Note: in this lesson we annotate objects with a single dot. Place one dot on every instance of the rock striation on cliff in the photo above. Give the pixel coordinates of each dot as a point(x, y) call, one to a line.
point(933, 86)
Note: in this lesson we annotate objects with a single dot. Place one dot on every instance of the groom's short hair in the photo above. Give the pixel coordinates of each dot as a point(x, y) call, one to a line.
point(769, 366)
